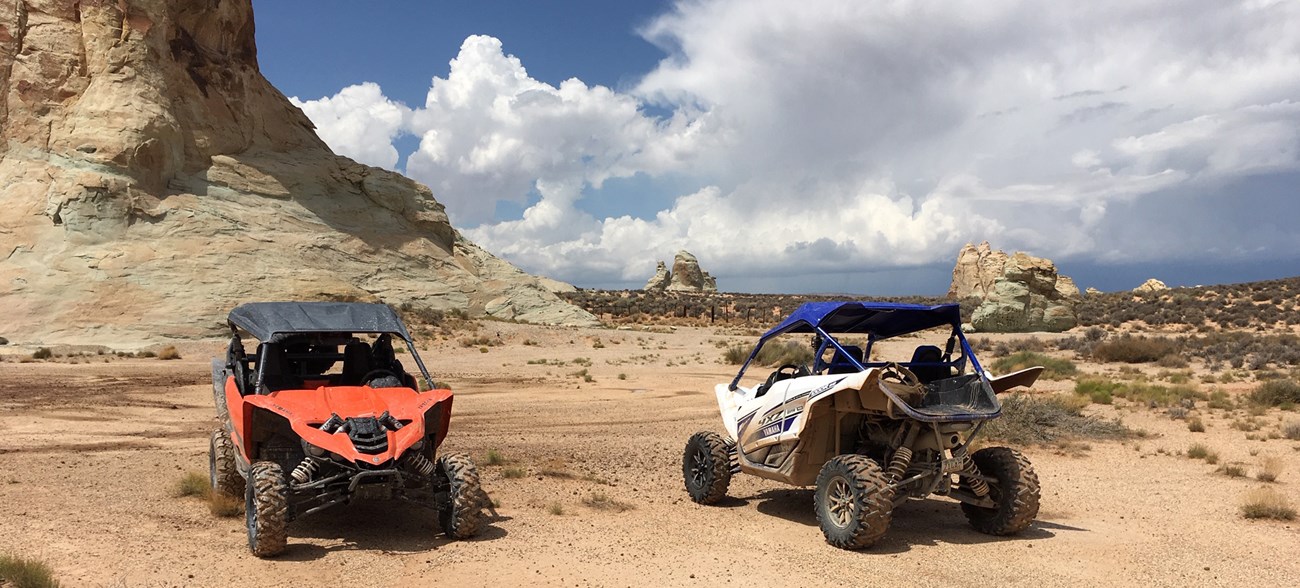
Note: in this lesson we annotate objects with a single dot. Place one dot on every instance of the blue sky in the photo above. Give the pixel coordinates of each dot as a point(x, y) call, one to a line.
point(827, 145)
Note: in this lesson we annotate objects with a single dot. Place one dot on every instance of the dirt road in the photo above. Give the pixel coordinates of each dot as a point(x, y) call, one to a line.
point(90, 454)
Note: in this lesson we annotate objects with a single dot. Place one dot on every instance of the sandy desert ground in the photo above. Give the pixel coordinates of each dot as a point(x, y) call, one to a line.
point(90, 454)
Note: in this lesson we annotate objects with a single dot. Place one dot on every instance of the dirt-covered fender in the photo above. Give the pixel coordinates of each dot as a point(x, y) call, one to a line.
point(780, 415)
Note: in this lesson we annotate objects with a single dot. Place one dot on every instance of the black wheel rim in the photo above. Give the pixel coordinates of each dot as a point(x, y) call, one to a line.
point(699, 468)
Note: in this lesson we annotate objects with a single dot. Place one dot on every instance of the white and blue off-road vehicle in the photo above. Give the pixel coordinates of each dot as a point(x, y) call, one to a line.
point(870, 434)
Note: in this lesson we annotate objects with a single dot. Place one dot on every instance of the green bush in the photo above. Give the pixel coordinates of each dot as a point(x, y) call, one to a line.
point(735, 355)
point(1099, 390)
point(783, 353)
point(1276, 393)
point(43, 353)
point(1054, 368)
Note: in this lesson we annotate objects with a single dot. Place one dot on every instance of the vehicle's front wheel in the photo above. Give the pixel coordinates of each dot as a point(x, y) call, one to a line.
point(266, 509)
point(1015, 492)
point(852, 502)
point(706, 467)
point(222, 472)
point(460, 508)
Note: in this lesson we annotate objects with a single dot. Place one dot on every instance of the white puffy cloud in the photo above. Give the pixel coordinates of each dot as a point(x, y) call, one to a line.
point(847, 136)
point(358, 122)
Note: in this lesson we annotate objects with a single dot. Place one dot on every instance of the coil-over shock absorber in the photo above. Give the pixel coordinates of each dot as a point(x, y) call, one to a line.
point(971, 472)
point(902, 458)
point(305, 470)
point(418, 463)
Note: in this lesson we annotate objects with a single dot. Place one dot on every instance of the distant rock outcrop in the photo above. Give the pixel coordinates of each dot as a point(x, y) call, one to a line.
point(153, 179)
point(686, 276)
point(1017, 293)
point(1151, 285)
point(659, 282)
point(1092, 291)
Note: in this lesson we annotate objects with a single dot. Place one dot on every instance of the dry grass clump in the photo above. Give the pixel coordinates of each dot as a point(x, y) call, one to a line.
point(1269, 470)
point(169, 352)
point(1267, 503)
point(1200, 451)
point(495, 458)
point(1196, 425)
point(1291, 430)
point(1054, 368)
point(1233, 470)
point(1048, 419)
point(22, 572)
point(555, 508)
point(1276, 393)
point(602, 501)
point(513, 472)
point(219, 503)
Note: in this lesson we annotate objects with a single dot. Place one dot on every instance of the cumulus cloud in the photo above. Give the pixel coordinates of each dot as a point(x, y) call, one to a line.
point(846, 136)
point(358, 122)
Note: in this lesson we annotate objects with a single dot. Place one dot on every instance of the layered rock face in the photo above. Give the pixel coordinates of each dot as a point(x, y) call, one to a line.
point(686, 276)
point(152, 179)
point(1018, 292)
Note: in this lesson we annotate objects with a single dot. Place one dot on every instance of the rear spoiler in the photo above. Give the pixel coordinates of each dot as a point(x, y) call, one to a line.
point(1025, 377)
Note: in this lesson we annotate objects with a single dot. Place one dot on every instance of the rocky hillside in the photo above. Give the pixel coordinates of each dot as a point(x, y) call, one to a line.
point(152, 179)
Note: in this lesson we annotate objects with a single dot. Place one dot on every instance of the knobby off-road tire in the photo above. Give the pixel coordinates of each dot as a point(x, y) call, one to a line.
point(852, 502)
point(1015, 492)
point(222, 471)
point(266, 509)
point(706, 467)
point(461, 514)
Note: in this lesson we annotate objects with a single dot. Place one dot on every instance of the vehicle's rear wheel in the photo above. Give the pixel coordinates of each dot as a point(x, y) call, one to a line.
point(706, 467)
point(222, 472)
point(852, 502)
point(460, 510)
point(1015, 492)
point(266, 509)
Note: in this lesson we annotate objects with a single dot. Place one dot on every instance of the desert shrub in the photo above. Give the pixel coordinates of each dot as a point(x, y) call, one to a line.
point(555, 508)
point(513, 472)
point(1276, 392)
point(1172, 360)
point(1131, 349)
point(1232, 470)
point(783, 353)
point(495, 458)
point(1200, 451)
point(1291, 430)
point(192, 484)
point(735, 355)
point(1267, 503)
point(1099, 390)
point(225, 505)
point(1054, 368)
point(1270, 468)
point(1155, 396)
point(1196, 425)
point(1048, 419)
point(602, 501)
point(169, 352)
point(43, 353)
point(22, 572)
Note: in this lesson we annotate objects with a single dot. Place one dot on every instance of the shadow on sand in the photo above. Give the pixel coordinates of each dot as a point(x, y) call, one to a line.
point(383, 526)
point(915, 523)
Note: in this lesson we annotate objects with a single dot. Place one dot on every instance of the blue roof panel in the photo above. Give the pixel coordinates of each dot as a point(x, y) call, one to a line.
point(881, 320)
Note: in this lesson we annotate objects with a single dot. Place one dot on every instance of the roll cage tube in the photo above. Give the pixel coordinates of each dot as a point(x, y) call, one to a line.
point(821, 333)
point(410, 346)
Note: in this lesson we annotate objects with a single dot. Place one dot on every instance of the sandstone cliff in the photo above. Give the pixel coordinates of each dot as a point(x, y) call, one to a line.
point(151, 179)
point(1017, 292)
point(686, 276)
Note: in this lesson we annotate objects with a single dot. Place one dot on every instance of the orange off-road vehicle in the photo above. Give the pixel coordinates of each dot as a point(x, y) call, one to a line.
point(323, 413)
